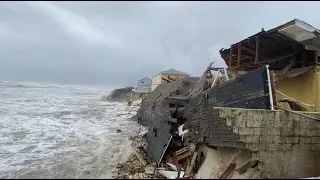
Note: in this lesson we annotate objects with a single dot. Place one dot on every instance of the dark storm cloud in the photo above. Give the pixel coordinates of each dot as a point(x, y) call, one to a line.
point(116, 43)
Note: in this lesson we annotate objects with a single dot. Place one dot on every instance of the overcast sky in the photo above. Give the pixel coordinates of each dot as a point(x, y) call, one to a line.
point(117, 43)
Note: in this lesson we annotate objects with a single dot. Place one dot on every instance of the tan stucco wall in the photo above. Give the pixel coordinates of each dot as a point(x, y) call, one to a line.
point(156, 80)
point(304, 88)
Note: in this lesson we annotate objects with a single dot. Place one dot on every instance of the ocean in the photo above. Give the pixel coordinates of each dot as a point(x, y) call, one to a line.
point(60, 131)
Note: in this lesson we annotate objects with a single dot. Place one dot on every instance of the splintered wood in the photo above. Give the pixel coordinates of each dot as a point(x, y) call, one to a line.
point(230, 166)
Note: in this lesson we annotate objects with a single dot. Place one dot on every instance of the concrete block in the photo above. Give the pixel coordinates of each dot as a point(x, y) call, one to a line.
point(289, 140)
point(302, 147)
point(273, 131)
point(229, 121)
point(277, 122)
point(309, 132)
point(266, 175)
point(236, 130)
point(256, 131)
point(254, 123)
point(272, 147)
point(315, 147)
point(265, 139)
point(262, 147)
point(243, 138)
point(267, 123)
point(245, 131)
point(287, 131)
point(285, 147)
point(240, 122)
point(254, 156)
point(315, 140)
point(252, 147)
point(252, 139)
point(309, 123)
point(288, 123)
point(304, 140)
point(276, 139)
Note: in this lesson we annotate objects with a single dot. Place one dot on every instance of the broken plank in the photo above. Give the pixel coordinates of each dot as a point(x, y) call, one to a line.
point(228, 170)
point(182, 150)
point(256, 58)
point(193, 161)
point(231, 165)
point(239, 54)
point(184, 155)
point(247, 165)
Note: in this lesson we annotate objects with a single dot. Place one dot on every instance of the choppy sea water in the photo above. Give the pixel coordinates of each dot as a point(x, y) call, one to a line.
point(53, 131)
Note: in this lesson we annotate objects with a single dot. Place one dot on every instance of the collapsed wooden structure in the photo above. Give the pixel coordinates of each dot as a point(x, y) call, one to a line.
point(294, 41)
point(261, 74)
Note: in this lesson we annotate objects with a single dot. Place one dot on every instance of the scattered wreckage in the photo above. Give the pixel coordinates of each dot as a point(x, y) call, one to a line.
point(255, 119)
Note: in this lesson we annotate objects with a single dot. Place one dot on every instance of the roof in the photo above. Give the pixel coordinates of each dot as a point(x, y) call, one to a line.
point(174, 71)
point(145, 78)
point(277, 47)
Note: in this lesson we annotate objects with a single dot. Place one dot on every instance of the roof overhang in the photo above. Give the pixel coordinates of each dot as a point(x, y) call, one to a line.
point(299, 31)
point(293, 38)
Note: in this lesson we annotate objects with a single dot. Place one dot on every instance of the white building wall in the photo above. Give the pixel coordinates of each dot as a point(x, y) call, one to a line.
point(144, 85)
point(156, 81)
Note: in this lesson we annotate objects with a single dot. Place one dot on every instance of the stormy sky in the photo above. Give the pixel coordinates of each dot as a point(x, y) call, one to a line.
point(117, 43)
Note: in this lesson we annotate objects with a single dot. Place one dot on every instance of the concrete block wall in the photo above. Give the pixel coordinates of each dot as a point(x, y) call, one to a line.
point(273, 130)
point(287, 145)
point(207, 125)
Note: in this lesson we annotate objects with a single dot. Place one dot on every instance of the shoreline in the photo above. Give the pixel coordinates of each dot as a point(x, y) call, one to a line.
point(138, 165)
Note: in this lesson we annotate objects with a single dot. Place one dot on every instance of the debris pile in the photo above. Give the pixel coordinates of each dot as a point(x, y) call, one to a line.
point(138, 166)
point(260, 80)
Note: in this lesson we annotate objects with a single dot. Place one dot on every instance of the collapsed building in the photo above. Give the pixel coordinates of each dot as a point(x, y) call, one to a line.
point(258, 118)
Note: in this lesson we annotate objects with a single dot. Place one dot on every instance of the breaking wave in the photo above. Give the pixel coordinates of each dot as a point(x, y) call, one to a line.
point(52, 131)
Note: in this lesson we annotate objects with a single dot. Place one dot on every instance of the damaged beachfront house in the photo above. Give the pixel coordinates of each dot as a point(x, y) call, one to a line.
point(260, 119)
point(292, 52)
point(167, 76)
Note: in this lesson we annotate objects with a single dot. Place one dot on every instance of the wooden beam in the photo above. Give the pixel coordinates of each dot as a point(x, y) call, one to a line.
point(245, 58)
point(228, 170)
point(193, 161)
point(239, 54)
point(270, 61)
point(230, 57)
point(257, 50)
point(250, 51)
point(247, 165)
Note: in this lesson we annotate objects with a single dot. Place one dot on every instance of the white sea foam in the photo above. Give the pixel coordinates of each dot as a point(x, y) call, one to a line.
point(50, 131)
